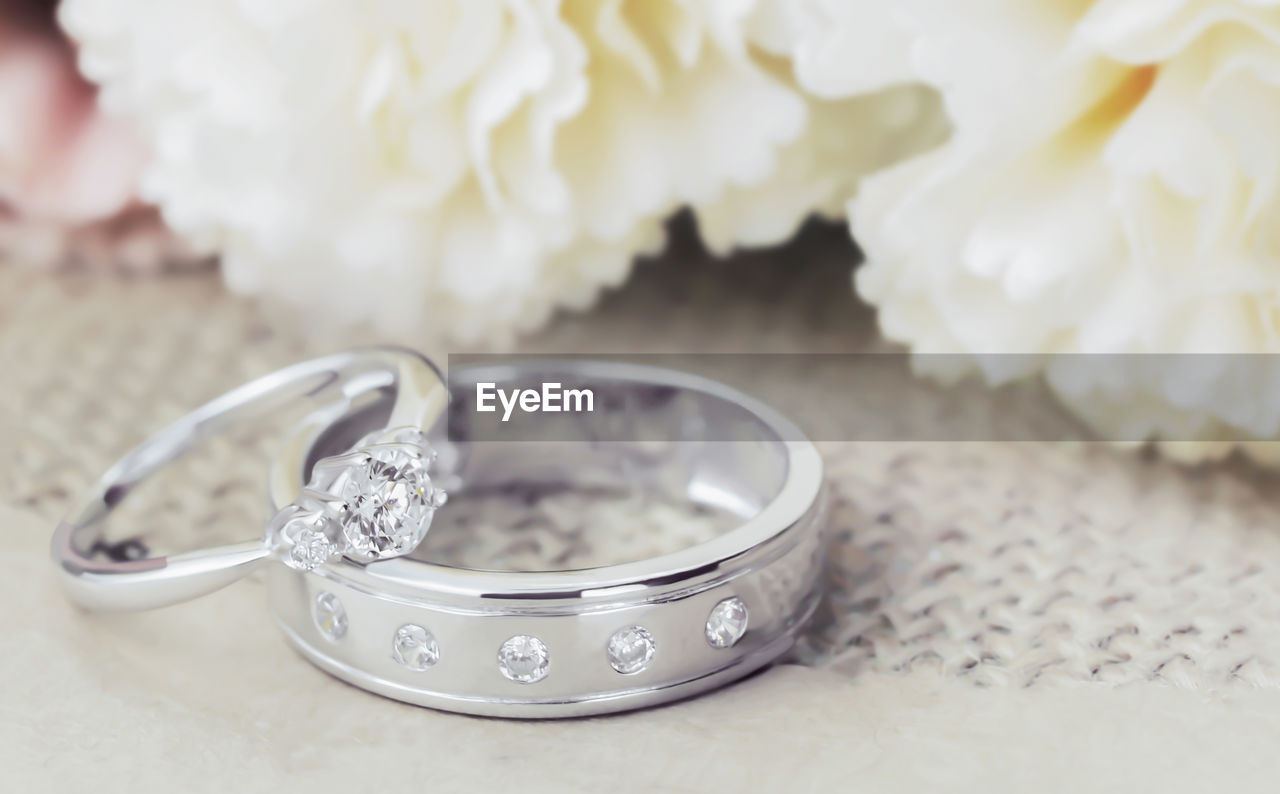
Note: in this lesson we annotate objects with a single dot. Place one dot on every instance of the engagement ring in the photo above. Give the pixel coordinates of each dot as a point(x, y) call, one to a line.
point(370, 504)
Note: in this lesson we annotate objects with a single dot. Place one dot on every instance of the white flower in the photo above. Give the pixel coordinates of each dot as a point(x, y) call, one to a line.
point(1111, 187)
point(467, 165)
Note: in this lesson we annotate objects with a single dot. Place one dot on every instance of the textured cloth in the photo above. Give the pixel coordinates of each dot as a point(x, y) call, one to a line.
point(985, 599)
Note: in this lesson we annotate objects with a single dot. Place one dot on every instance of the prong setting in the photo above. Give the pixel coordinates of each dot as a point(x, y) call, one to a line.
point(373, 503)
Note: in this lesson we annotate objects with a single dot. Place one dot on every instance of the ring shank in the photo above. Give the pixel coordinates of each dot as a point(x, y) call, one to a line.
point(401, 376)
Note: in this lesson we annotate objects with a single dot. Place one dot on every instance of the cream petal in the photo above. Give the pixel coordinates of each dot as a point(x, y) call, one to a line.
point(1110, 188)
point(464, 168)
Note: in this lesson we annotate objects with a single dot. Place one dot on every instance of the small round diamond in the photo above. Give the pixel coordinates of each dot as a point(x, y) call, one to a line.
point(631, 649)
point(388, 505)
point(310, 549)
point(524, 659)
point(415, 648)
point(330, 616)
point(727, 623)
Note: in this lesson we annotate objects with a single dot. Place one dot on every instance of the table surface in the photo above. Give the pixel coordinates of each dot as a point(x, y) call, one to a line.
point(1000, 615)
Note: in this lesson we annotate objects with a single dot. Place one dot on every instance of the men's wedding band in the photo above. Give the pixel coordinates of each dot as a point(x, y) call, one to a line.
point(535, 644)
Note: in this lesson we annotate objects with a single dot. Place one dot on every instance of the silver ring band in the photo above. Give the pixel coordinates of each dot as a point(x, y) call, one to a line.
point(577, 642)
point(402, 378)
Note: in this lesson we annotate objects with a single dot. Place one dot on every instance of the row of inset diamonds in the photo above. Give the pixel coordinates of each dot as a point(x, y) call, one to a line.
point(526, 659)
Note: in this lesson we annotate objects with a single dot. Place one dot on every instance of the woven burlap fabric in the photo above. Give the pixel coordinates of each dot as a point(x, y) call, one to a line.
point(978, 566)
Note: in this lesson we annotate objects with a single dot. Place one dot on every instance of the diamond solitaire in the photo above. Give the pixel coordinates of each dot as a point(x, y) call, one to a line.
point(388, 504)
point(370, 504)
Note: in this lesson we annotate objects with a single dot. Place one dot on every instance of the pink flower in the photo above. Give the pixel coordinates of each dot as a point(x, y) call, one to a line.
point(68, 173)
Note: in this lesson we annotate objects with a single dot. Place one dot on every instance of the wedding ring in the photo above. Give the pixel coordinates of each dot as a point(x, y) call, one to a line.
point(535, 644)
point(373, 502)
